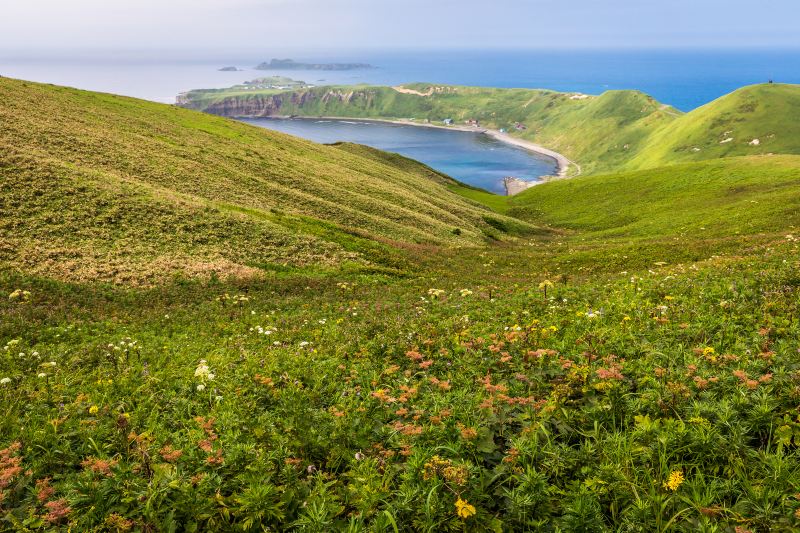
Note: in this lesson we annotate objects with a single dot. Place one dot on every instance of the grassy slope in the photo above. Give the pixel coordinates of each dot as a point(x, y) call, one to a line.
point(373, 406)
point(767, 112)
point(709, 199)
point(115, 188)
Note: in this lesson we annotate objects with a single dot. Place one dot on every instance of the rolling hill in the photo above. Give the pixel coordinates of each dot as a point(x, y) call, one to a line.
point(759, 119)
point(598, 132)
point(694, 201)
point(96, 186)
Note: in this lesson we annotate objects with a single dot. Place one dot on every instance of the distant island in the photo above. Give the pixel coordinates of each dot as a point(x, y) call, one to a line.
point(230, 69)
point(290, 64)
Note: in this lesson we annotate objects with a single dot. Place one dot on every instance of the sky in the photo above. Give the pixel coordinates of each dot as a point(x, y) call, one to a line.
point(207, 25)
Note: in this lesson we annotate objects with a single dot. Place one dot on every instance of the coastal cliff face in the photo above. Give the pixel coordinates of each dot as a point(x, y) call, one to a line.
point(299, 102)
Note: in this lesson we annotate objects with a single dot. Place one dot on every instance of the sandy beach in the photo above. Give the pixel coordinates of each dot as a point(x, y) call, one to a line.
point(563, 162)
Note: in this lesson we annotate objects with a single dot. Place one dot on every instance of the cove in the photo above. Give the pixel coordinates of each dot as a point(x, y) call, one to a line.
point(470, 157)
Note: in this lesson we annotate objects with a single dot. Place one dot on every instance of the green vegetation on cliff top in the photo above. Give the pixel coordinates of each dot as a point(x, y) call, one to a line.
point(612, 131)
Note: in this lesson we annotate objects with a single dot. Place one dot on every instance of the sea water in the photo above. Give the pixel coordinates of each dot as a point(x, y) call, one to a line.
point(685, 79)
point(470, 157)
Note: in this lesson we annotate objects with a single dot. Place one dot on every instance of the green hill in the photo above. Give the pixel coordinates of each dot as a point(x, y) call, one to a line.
point(693, 201)
point(759, 119)
point(120, 189)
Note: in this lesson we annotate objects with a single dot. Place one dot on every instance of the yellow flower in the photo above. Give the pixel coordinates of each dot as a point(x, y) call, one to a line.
point(464, 509)
point(93, 410)
point(675, 480)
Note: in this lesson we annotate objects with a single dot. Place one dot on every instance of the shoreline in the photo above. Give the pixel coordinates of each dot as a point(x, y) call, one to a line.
point(563, 163)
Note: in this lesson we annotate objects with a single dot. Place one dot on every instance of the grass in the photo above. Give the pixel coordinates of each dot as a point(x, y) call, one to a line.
point(613, 131)
point(710, 199)
point(728, 127)
point(628, 361)
point(108, 174)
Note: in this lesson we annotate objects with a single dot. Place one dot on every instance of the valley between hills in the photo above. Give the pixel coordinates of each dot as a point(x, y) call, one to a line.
point(208, 326)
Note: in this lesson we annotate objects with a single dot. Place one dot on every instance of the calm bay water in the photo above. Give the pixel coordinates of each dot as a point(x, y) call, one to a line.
point(472, 158)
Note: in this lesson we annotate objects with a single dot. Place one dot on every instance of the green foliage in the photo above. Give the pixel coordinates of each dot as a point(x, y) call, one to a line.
point(314, 411)
point(625, 370)
point(124, 190)
point(688, 202)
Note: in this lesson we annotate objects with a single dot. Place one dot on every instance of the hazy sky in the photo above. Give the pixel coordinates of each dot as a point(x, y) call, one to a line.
point(320, 25)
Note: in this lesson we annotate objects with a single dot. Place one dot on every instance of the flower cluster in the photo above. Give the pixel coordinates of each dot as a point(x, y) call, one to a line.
point(20, 296)
point(204, 374)
point(464, 509)
point(674, 481)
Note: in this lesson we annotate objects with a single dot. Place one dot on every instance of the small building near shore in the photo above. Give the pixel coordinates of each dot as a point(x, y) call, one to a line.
point(448, 121)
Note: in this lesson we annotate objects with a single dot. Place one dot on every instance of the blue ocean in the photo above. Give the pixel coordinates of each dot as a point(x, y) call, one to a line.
point(685, 79)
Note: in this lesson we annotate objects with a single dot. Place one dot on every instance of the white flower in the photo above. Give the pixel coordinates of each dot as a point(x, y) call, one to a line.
point(5, 381)
point(465, 292)
point(201, 388)
point(42, 375)
point(202, 371)
point(304, 343)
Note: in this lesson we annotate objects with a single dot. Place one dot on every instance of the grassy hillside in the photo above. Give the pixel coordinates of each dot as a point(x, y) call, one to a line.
point(759, 119)
point(632, 368)
point(501, 389)
point(113, 188)
point(691, 201)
